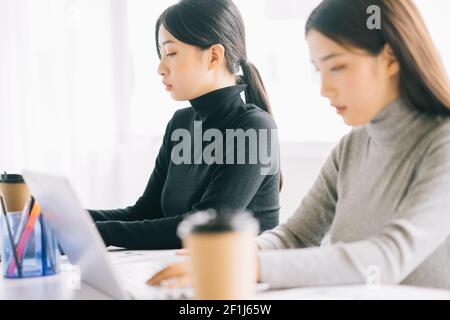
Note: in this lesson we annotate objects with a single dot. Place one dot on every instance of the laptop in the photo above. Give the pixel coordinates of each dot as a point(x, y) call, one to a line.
point(84, 247)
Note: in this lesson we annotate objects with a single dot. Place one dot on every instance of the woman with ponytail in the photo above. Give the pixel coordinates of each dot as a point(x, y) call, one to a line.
point(202, 48)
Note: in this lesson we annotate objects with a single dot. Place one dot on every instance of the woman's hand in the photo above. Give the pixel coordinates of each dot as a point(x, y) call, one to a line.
point(173, 276)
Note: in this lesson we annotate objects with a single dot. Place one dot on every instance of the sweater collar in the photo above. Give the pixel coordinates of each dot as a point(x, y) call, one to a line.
point(218, 101)
point(394, 123)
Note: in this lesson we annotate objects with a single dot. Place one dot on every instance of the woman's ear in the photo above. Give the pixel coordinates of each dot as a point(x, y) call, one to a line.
point(392, 64)
point(217, 56)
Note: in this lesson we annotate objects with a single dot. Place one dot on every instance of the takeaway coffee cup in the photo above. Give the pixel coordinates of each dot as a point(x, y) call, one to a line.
point(14, 191)
point(223, 254)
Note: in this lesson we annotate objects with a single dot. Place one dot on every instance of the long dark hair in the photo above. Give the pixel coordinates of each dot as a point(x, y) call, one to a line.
point(424, 84)
point(204, 23)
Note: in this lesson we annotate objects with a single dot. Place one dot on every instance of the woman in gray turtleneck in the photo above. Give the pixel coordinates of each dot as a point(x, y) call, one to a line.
point(383, 195)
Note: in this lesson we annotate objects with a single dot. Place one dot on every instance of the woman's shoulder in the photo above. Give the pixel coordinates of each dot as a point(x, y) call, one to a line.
point(442, 125)
point(183, 113)
point(355, 136)
point(440, 133)
point(182, 118)
point(251, 116)
point(248, 116)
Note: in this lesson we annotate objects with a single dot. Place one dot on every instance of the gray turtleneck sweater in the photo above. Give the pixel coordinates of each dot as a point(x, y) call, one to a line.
point(383, 197)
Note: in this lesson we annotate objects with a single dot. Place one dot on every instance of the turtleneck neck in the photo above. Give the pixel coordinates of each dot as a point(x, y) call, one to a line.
point(218, 101)
point(394, 124)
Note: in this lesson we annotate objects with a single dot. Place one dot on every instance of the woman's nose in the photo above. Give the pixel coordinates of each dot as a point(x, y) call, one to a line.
point(162, 69)
point(326, 90)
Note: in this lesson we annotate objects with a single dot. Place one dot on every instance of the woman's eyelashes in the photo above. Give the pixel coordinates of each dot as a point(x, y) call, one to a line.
point(171, 54)
point(338, 68)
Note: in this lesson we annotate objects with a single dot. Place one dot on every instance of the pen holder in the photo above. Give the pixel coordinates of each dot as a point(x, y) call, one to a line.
point(36, 250)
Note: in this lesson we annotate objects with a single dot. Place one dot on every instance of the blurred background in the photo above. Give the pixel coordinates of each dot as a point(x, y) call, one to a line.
point(80, 95)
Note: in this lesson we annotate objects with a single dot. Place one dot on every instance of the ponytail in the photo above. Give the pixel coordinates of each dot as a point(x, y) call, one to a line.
point(256, 91)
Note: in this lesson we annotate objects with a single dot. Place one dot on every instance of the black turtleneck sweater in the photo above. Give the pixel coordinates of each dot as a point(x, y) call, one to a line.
point(174, 190)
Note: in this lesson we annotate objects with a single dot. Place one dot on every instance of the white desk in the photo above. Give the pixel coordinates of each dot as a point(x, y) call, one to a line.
point(60, 287)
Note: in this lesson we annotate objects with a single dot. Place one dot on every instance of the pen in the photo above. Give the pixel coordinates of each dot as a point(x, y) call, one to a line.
point(43, 245)
point(35, 212)
point(23, 219)
point(13, 247)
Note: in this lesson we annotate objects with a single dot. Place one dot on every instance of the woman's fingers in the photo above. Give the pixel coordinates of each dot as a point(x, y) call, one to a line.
point(172, 271)
point(178, 282)
point(182, 252)
point(166, 273)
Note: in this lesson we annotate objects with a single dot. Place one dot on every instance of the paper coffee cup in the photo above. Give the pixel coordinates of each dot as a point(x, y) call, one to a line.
point(14, 191)
point(223, 255)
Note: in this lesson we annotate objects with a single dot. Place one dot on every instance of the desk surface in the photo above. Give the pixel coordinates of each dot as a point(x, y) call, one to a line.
point(61, 286)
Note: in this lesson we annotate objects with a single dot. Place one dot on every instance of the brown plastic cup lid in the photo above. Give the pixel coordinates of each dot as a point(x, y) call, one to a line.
point(11, 178)
point(211, 222)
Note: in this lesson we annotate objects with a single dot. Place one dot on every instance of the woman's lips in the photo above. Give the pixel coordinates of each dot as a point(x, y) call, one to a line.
point(340, 109)
point(167, 86)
